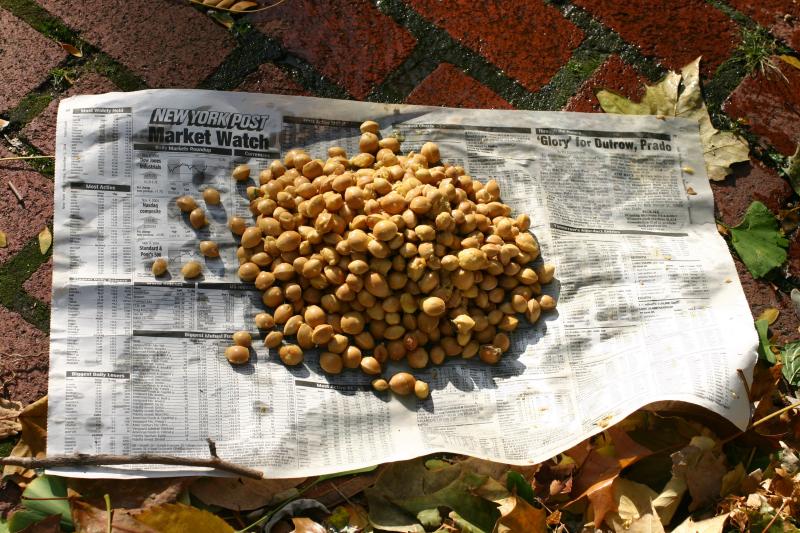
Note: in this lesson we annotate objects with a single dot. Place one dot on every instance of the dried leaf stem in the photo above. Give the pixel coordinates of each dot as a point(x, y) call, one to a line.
point(15, 158)
point(200, 3)
point(145, 458)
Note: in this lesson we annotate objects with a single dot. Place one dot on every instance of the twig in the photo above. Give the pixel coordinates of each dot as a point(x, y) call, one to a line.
point(779, 412)
point(82, 459)
point(778, 512)
point(109, 514)
point(15, 158)
point(744, 382)
point(212, 448)
point(15, 191)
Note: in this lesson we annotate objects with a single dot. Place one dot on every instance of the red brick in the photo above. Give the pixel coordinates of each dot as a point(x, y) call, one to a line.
point(21, 223)
point(746, 184)
point(347, 40)
point(448, 86)
point(41, 131)
point(40, 283)
point(674, 31)
point(615, 75)
point(782, 17)
point(169, 44)
point(762, 295)
point(529, 40)
point(26, 58)
point(771, 105)
point(23, 358)
point(271, 79)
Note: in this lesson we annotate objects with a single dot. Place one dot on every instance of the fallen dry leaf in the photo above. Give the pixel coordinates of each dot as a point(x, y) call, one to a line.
point(3, 239)
point(9, 418)
point(635, 512)
point(3, 123)
point(702, 466)
point(90, 519)
point(180, 518)
point(33, 439)
point(242, 494)
point(518, 515)
point(306, 525)
point(132, 493)
point(45, 240)
point(51, 524)
point(710, 525)
point(791, 60)
point(720, 148)
point(71, 49)
point(770, 315)
point(334, 491)
point(243, 6)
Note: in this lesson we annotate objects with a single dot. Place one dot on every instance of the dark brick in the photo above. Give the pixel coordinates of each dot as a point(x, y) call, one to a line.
point(169, 44)
point(448, 86)
point(673, 31)
point(347, 40)
point(26, 58)
point(40, 283)
point(41, 131)
point(271, 79)
point(770, 103)
point(528, 39)
point(782, 17)
point(615, 75)
point(23, 358)
point(748, 183)
point(21, 223)
point(761, 295)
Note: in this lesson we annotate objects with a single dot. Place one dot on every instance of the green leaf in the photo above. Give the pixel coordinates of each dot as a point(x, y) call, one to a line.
point(790, 356)
point(758, 240)
point(516, 483)
point(346, 473)
point(3, 526)
point(764, 346)
point(720, 148)
point(35, 510)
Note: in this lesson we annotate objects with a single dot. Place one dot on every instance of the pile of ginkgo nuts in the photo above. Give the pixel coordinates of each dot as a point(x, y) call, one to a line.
point(380, 257)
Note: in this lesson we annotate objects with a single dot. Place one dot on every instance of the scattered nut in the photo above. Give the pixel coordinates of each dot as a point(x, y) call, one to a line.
point(191, 269)
point(159, 267)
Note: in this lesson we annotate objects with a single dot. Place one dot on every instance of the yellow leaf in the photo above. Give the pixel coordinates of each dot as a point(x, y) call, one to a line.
point(45, 240)
point(3, 123)
point(793, 61)
point(243, 6)
point(71, 50)
point(3, 239)
point(33, 441)
point(9, 418)
point(770, 315)
point(178, 518)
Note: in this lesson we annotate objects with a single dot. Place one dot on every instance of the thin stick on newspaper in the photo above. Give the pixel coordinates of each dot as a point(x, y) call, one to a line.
point(81, 459)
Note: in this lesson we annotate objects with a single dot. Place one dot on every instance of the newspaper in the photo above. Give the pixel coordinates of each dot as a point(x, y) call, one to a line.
point(649, 304)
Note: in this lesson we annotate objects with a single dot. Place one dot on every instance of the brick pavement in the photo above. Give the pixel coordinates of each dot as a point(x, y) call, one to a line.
point(526, 54)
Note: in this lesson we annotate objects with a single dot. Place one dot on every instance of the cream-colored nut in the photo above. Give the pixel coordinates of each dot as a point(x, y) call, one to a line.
point(237, 225)
point(384, 230)
point(402, 383)
point(273, 339)
point(464, 323)
point(237, 355)
point(546, 273)
point(191, 269)
point(472, 259)
point(197, 218)
point(248, 271)
point(264, 321)
point(331, 363)
point(242, 338)
point(370, 365)
point(251, 237)
point(547, 302)
point(380, 385)
point(369, 126)
point(211, 196)
point(291, 354)
point(186, 203)
point(241, 172)
point(209, 249)
point(431, 152)
point(421, 389)
point(433, 306)
point(159, 267)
